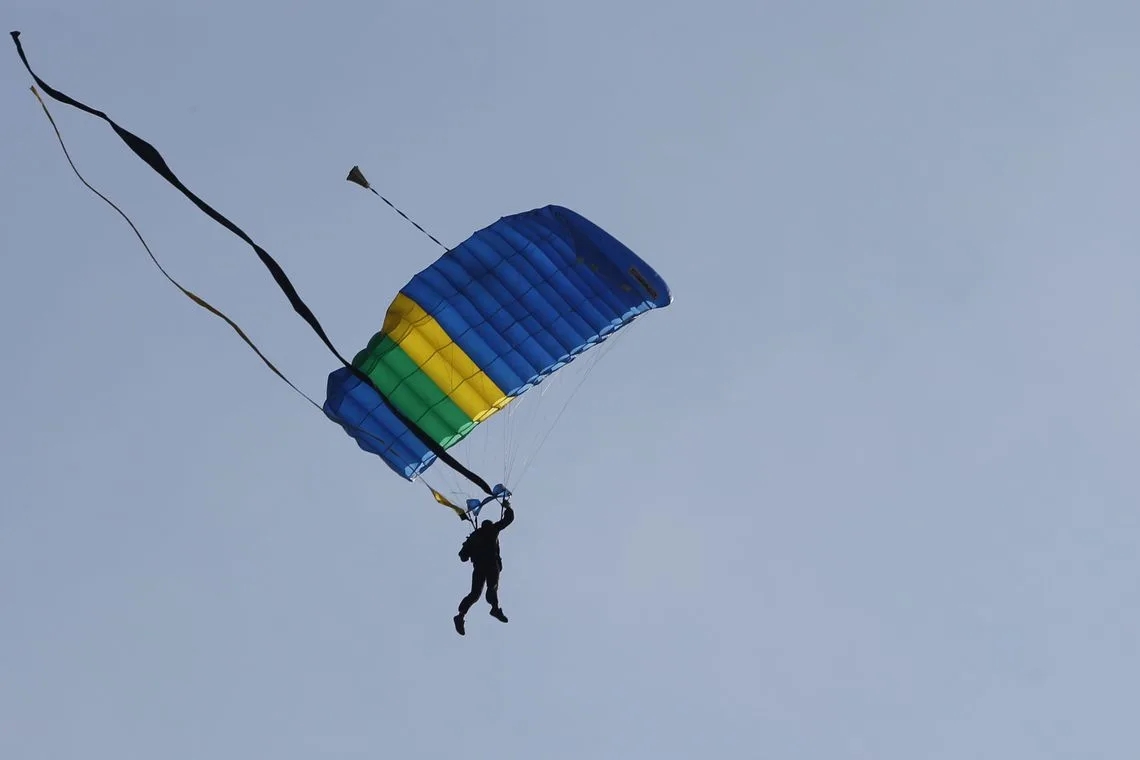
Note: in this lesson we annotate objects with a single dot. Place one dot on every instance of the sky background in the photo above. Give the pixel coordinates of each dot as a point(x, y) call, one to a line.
point(867, 489)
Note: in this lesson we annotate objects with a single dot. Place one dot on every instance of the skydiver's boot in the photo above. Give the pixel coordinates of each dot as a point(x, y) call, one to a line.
point(497, 612)
point(458, 620)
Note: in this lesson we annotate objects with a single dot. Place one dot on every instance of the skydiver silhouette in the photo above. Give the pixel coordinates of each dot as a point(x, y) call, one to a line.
point(482, 548)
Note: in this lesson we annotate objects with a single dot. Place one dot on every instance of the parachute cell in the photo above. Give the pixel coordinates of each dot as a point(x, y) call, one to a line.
point(484, 323)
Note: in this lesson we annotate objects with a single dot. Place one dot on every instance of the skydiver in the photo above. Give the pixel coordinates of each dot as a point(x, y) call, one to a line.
point(482, 548)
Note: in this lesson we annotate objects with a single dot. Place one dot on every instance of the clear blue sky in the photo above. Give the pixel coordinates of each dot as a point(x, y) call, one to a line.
point(867, 489)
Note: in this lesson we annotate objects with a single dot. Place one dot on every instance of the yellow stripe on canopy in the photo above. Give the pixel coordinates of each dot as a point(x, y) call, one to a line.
point(440, 358)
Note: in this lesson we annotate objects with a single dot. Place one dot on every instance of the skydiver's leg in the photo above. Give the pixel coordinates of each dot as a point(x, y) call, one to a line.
point(493, 595)
point(493, 589)
point(478, 577)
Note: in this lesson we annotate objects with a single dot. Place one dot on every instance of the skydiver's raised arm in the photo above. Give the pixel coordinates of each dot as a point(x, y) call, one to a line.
point(508, 517)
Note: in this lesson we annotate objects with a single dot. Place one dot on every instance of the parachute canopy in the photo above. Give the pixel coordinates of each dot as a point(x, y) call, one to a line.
point(488, 320)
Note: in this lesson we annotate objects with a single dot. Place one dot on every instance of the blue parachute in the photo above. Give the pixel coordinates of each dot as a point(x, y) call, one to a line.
point(485, 322)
